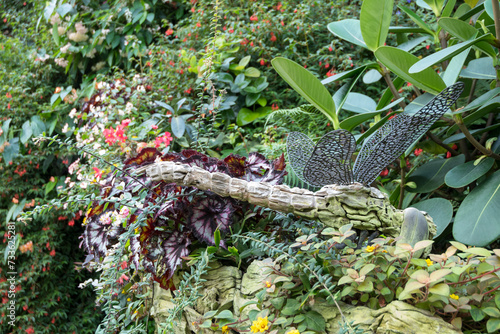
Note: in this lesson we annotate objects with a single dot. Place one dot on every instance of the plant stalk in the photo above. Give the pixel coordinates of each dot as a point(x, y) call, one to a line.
point(489, 153)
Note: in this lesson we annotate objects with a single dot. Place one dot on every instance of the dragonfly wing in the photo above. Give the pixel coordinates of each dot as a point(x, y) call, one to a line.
point(299, 148)
point(399, 133)
point(330, 162)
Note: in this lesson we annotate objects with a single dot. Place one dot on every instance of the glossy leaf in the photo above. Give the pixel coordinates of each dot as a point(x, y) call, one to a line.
point(476, 221)
point(481, 68)
point(399, 62)
point(408, 46)
point(458, 28)
point(372, 76)
point(440, 209)
point(415, 18)
point(26, 133)
point(493, 325)
point(460, 136)
point(344, 75)
point(436, 6)
point(349, 30)
point(306, 84)
point(340, 97)
point(353, 121)
point(375, 19)
point(463, 175)
point(359, 103)
point(178, 126)
point(444, 54)
point(430, 176)
point(246, 116)
point(454, 67)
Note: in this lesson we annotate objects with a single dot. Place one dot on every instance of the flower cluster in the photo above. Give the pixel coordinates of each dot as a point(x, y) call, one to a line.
point(260, 325)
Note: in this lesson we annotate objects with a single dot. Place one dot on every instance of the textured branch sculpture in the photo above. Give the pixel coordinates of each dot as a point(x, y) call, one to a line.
point(334, 205)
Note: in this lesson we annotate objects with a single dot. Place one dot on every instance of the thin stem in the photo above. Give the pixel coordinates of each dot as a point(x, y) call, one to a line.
point(489, 153)
point(392, 88)
point(402, 164)
point(496, 15)
point(438, 141)
point(474, 278)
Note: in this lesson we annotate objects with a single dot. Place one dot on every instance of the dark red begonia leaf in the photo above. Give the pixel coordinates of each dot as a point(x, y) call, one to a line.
point(236, 165)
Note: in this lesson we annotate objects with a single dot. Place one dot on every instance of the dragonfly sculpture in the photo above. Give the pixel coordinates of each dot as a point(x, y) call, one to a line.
point(329, 160)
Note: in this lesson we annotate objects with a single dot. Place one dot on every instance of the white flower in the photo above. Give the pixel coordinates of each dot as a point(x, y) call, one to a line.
point(72, 113)
point(80, 28)
point(55, 19)
point(73, 167)
point(78, 37)
point(65, 48)
point(65, 128)
point(61, 30)
point(61, 62)
point(92, 53)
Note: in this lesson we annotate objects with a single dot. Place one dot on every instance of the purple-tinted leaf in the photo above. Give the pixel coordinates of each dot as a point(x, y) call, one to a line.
point(175, 248)
point(135, 248)
point(274, 177)
point(236, 165)
point(145, 157)
point(98, 234)
point(257, 164)
point(209, 213)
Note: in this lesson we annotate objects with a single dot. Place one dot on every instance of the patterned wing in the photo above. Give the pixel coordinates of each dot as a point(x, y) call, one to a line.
point(299, 149)
point(399, 133)
point(330, 162)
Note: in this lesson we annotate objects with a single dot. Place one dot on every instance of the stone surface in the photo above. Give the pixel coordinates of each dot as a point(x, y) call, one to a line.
point(226, 288)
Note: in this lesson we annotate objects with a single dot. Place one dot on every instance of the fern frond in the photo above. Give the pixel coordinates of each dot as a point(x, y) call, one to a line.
point(305, 118)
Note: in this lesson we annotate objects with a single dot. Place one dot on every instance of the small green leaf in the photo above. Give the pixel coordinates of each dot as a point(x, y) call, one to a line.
point(252, 72)
point(366, 286)
point(476, 313)
point(178, 126)
point(441, 289)
point(481, 68)
point(226, 314)
point(244, 61)
point(492, 312)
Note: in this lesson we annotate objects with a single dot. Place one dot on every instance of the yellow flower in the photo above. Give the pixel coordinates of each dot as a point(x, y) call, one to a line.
point(225, 329)
point(293, 331)
point(128, 299)
point(136, 230)
point(454, 296)
point(259, 325)
point(370, 249)
point(268, 284)
point(429, 262)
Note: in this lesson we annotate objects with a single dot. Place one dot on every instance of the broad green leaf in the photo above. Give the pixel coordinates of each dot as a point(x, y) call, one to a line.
point(246, 116)
point(375, 19)
point(344, 75)
point(476, 313)
point(37, 125)
point(366, 286)
point(252, 72)
point(226, 314)
point(340, 97)
point(436, 6)
point(306, 84)
point(481, 68)
point(178, 126)
point(408, 46)
point(315, 321)
point(349, 30)
point(471, 3)
point(441, 289)
point(448, 9)
point(492, 312)
point(440, 209)
point(480, 101)
point(26, 133)
point(458, 28)
point(399, 62)
point(493, 325)
point(488, 7)
point(11, 151)
point(415, 18)
point(372, 76)
point(444, 54)
point(460, 136)
point(244, 61)
point(353, 121)
point(359, 103)
point(476, 221)
point(463, 175)
point(64, 9)
point(454, 67)
point(430, 176)
point(366, 269)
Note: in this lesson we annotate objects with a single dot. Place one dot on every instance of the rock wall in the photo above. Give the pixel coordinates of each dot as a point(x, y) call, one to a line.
point(227, 288)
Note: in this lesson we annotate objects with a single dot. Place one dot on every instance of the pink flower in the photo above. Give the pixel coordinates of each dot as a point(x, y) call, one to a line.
point(122, 277)
point(109, 134)
point(254, 18)
point(126, 122)
point(166, 139)
point(418, 151)
point(120, 134)
point(71, 223)
point(97, 173)
point(154, 126)
point(124, 265)
point(53, 252)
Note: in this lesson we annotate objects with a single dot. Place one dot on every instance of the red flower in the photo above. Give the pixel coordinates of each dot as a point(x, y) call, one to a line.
point(71, 223)
point(254, 18)
point(231, 30)
point(169, 32)
point(282, 23)
point(262, 62)
point(198, 24)
point(273, 37)
point(166, 139)
point(384, 173)
point(30, 330)
point(25, 307)
point(330, 49)
point(418, 151)
point(124, 265)
point(126, 122)
point(448, 155)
